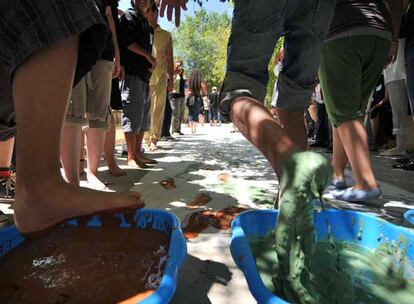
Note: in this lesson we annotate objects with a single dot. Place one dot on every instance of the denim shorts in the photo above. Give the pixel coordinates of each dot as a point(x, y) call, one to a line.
point(257, 26)
point(28, 26)
point(136, 102)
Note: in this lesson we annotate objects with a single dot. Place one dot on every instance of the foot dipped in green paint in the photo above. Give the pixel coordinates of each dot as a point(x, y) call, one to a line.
point(305, 175)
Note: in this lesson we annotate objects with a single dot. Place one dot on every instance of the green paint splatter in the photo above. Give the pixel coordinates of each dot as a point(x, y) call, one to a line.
point(305, 176)
point(344, 273)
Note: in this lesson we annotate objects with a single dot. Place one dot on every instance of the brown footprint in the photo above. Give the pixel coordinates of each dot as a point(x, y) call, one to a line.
point(196, 222)
point(168, 183)
point(223, 218)
point(200, 200)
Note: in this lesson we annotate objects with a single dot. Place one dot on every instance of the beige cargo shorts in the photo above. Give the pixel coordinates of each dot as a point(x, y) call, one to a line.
point(90, 102)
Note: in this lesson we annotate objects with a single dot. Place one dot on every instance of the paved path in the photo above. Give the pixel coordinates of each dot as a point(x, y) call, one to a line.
point(195, 162)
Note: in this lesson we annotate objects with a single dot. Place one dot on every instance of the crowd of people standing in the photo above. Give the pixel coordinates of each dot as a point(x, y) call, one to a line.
point(135, 73)
point(81, 53)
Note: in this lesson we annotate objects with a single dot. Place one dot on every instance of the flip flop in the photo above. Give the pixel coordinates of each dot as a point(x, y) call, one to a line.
point(358, 196)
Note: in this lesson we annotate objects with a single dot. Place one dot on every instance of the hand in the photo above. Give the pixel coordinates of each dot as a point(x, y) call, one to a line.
point(152, 60)
point(171, 5)
point(122, 73)
point(117, 68)
point(393, 53)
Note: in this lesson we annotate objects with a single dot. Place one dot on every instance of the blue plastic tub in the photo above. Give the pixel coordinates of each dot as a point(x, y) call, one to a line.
point(159, 220)
point(345, 227)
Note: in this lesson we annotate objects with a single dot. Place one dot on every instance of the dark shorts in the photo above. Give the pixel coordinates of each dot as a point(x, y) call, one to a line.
point(213, 113)
point(256, 28)
point(7, 115)
point(350, 69)
point(28, 26)
point(136, 102)
point(194, 112)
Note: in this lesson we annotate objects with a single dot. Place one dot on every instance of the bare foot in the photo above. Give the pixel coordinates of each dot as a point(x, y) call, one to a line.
point(41, 205)
point(153, 147)
point(134, 163)
point(148, 160)
point(115, 170)
point(94, 182)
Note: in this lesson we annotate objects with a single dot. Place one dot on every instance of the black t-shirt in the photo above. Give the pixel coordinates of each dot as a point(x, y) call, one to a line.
point(409, 24)
point(351, 14)
point(109, 51)
point(133, 28)
point(213, 100)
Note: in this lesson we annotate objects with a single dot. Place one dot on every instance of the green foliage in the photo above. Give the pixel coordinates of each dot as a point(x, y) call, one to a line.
point(272, 76)
point(201, 41)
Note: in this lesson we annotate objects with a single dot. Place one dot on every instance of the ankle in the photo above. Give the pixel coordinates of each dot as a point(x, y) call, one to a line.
point(34, 190)
point(365, 186)
point(338, 177)
point(92, 172)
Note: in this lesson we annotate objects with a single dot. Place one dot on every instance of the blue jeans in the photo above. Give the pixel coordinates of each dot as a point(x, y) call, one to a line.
point(257, 26)
point(409, 57)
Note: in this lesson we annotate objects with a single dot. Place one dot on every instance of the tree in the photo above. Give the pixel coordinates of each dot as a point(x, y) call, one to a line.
point(201, 41)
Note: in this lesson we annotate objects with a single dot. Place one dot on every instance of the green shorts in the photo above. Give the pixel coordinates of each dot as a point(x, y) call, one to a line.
point(350, 68)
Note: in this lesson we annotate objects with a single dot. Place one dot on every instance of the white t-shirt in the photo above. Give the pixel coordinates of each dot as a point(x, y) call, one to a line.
point(277, 68)
point(318, 94)
point(396, 71)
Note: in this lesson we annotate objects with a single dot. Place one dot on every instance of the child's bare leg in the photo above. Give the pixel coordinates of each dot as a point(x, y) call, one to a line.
point(109, 149)
point(257, 124)
point(70, 146)
point(294, 126)
point(41, 88)
point(140, 159)
point(355, 143)
point(6, 148)
point(94, 142)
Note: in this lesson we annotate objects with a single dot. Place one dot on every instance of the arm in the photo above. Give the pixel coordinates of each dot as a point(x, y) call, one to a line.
point(111, 23)
point(204, 89)
point(395, 7)
point(170, 65)
point(134, 47)
point(171, 5)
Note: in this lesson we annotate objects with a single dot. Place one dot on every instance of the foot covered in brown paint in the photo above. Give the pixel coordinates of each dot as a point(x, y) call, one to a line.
point(147, 160)
point(115, 170)
point(305, 175)
point(135, 163)
point(43, 205)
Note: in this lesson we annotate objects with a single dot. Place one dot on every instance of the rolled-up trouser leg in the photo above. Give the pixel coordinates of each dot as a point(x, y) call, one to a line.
point(397, 91)
point(254, 34)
